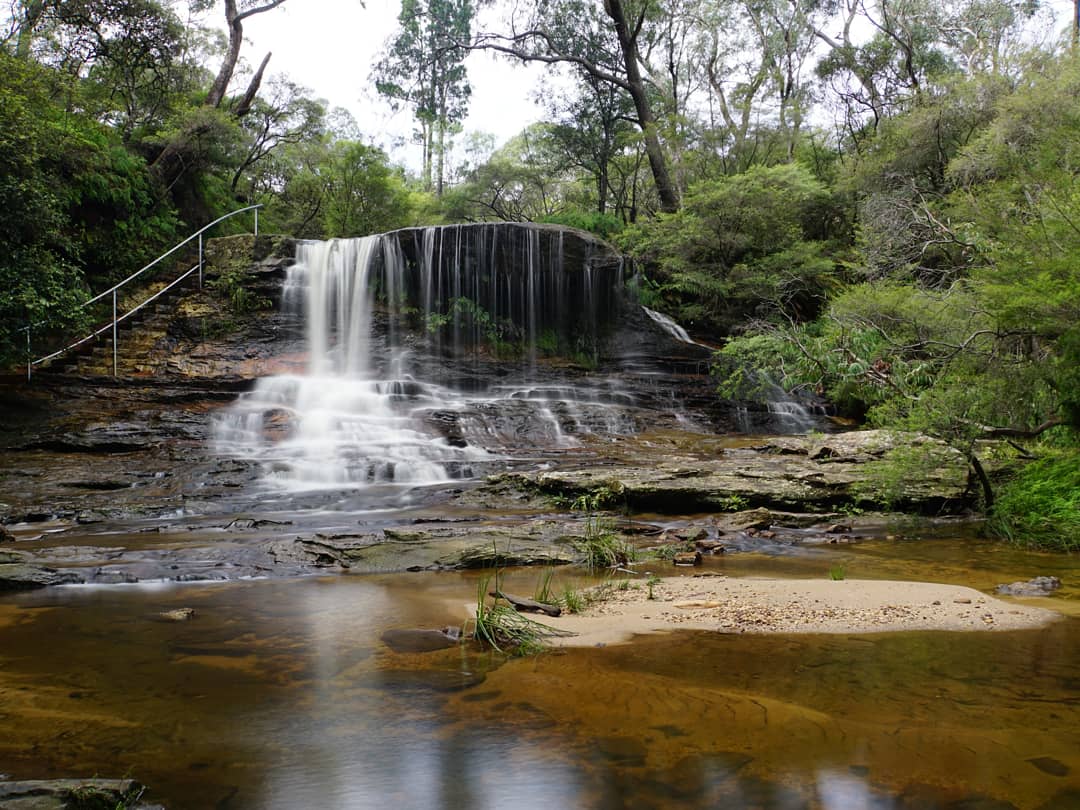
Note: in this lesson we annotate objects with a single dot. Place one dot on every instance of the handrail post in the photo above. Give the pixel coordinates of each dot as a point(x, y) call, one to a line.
point(256, 221)
point(114, 336)
point(200, 261)
point(29, 355)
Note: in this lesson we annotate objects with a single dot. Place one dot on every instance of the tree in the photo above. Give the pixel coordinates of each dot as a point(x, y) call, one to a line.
point(604, 47)
point(524, 181)
point(77, 209)
point(755, 69)
point(122, 56)
point(234, 18)
point(363, 194)
point(289, 116)
point(748, 246)
point(593, 128)
point(424, 68)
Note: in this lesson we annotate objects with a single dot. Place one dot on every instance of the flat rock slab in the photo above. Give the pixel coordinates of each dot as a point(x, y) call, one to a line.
point(26, 577)
point(800, 473)
point(60, 794)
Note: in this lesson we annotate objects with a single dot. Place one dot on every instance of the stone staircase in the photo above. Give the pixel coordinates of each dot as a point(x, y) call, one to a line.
point(137, 335)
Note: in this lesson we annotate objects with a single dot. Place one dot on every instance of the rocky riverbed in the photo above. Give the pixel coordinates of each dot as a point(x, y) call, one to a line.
point(120, 480)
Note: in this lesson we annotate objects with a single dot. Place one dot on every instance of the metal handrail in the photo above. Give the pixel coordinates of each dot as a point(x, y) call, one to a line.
point(30, 363)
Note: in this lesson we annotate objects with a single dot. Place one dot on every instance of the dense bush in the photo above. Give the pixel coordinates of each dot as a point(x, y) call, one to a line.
point(748, 246)
point(1040, 507)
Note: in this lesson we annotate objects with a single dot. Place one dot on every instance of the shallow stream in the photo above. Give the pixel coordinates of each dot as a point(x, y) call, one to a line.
point(280, 694)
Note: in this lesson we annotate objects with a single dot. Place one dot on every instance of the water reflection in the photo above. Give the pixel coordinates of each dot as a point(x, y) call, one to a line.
point(281, 695)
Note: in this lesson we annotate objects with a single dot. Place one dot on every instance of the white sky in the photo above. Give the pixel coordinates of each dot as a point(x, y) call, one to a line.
point(330, 47)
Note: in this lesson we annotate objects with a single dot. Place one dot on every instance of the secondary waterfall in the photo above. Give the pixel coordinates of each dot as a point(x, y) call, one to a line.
point(425, 350)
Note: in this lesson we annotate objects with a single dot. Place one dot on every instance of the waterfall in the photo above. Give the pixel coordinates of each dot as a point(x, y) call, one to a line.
point(672, 328)
point(411, 337)
point(785, 414)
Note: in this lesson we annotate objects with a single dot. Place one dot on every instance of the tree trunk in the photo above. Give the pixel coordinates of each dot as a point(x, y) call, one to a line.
point(665, 188)
point(235, 20)
point(244, 107)
point(984, 480)
point(232, 54)
point(34, 10)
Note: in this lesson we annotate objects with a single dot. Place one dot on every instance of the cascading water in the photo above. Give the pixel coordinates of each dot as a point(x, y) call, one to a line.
point(414, 338)
point(671, 327)
point(349, 420)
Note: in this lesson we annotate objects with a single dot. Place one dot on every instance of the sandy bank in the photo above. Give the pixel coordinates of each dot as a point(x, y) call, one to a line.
point(727, 605)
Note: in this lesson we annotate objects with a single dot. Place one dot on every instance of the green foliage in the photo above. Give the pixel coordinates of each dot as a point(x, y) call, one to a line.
point(362, 194)
point(502, 628)
point(669, 551)
point(601, 546)
point(748, 245)
point(1040, 507)
point(230, 284)
point(651, 583)
point(467, 319)
point(424, 69)
point(74, 207)
point(605, 226)
point(731, 503)
point(573, 601)
point(499, 626)
point(837, 572)
point(543, 592)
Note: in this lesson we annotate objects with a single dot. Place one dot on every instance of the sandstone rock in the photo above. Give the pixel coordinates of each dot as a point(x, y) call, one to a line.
point(1039, 586)
point(25, 577)
point(691, 534)
point(420, 640)
point(6, 536)
point(687, 558)
point(710, 546)
point(177, 615)
point(765, 477)
point(58, 794)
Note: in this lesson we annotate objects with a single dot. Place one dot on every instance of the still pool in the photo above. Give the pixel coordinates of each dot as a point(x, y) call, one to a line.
point(280, 694)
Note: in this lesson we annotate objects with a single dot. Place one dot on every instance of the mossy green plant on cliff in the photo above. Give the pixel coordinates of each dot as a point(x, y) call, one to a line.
point(230, 286)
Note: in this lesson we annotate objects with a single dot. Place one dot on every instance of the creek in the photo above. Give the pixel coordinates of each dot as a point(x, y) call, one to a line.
point(280, 694)
point(435, 357)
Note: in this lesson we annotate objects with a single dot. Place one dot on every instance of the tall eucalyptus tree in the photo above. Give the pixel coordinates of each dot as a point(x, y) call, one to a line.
point(424, 68)
point(604, 45)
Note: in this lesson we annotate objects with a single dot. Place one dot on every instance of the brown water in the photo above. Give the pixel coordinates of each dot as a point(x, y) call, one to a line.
point(280, 694)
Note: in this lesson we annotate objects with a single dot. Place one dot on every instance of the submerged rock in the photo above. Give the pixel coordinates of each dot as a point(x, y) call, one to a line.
point(177, 615)
point(420, 640)
point(1039, 586)
point(71, 794)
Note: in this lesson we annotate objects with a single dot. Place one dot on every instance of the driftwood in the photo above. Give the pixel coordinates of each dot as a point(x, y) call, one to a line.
point(520, 603)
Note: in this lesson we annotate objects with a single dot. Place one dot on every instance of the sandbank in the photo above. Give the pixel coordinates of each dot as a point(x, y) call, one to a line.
point(748, 605)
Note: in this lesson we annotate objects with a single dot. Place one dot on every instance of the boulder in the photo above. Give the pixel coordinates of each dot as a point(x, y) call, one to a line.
point(798, 473)
point(1039, 586)
point(420, 640)
point(26, 577)
point(687, 558)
